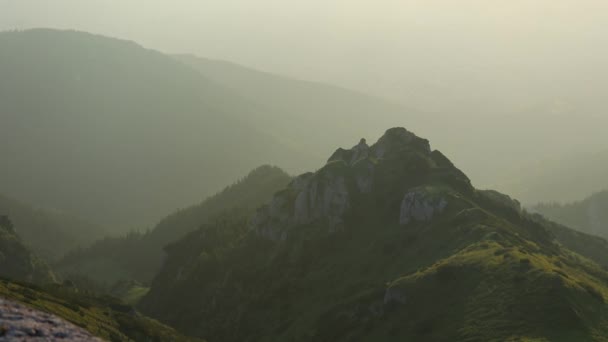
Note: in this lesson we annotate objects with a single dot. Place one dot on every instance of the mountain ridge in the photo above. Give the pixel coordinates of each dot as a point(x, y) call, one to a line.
point(388, 241)
point(17, 261)
point(138, 256)
point(49, 233)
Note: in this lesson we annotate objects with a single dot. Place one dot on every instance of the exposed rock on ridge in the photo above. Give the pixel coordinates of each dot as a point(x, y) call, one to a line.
point(399, 157)
point(420, 205)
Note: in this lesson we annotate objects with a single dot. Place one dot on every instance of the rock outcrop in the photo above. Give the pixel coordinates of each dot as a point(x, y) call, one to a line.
point(421, 205)
point(20, 323)
point(323, 196)
point(502, 200)
point(399, 158)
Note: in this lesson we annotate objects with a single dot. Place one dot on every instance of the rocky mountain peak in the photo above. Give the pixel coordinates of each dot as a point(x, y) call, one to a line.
point(398, 167)
point(398, 138)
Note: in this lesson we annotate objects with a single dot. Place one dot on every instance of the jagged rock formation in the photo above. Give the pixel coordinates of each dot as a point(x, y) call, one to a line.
point(327, 195)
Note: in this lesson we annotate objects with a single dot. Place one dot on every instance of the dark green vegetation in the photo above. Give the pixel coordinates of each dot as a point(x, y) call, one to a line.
point(589, 215)
point(49, 234)
point(16, 260)
point(138, 256)
point(105, 316)
point(384, 243)
point(120, 135)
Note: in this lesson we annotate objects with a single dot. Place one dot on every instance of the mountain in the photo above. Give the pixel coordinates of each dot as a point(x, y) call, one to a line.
point(50, 306)
point(298, 107)
point(106, 120)
point(568, 178)
point(140, 256)
point(49, 234)
point(95, 118)
point(588, 215)
point(385, 242)
point(17, 261)
point(511, 162)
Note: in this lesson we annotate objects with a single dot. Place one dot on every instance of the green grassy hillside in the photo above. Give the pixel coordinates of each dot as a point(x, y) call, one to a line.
point(385, 242)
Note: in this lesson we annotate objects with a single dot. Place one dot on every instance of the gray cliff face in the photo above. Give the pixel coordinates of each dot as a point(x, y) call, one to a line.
point(309, 198)
point(271, 220)
point(364, 175)
point(326, 196)
point(420, 205)
point(360, 151)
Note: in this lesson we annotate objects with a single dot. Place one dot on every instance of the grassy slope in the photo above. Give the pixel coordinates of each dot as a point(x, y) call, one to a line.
point(105, 317)
point(477, 281)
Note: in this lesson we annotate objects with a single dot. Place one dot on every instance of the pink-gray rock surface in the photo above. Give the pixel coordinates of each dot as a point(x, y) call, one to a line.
point(21, 323)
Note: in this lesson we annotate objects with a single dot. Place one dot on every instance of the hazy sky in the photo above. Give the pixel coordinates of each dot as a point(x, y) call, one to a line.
point(290, 34)
point(476, 55)
point(462, 59)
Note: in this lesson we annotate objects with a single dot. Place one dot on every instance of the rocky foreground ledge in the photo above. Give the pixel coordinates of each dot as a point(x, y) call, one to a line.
point(21, 323)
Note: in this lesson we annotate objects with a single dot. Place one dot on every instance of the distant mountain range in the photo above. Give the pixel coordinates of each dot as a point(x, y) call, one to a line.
point(119, 135)
point(562, 180)
point(589, 215)
point(139, 256)
point(49, 234)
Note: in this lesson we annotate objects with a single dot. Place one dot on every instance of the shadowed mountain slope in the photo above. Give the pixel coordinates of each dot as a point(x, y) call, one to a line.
point(385, 242)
